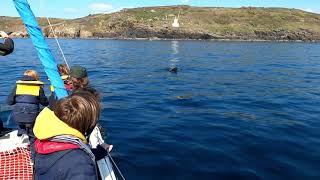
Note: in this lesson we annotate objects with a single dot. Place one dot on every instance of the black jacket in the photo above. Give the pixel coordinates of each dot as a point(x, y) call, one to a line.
point(7, 47)
point(69, 164)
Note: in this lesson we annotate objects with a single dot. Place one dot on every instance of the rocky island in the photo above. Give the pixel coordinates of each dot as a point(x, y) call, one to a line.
point(246, 23)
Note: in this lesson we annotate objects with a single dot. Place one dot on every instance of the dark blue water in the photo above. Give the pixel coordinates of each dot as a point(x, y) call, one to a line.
point(235, 110)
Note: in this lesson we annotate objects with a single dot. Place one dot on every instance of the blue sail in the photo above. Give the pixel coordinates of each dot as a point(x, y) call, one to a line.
point(40, 44)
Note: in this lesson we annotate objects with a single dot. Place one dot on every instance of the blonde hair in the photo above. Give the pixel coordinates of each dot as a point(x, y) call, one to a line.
point(63, 69)
point(32, 73)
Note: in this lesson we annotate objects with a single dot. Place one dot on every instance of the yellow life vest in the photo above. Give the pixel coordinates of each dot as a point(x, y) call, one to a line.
point(63, 77)
point(51, 88)
point(28, 88)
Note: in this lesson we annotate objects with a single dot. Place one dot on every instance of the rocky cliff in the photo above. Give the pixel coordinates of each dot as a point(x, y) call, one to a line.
point(247, 23)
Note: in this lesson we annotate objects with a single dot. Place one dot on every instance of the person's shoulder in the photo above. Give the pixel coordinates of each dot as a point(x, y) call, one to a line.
point(68, 164)
point(67, 157)
point(79, 157)
point(78, 153)
point(78, 165)
point(89, 89)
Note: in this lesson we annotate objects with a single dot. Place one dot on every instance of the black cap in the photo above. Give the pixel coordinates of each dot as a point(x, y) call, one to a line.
point(78, 72)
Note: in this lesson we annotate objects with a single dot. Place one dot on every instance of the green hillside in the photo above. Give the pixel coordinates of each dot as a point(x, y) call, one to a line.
point(247, 23)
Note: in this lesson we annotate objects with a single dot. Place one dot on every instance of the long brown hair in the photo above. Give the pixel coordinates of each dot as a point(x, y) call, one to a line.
point(78, 83)
point(81, 111)
point(63, 69)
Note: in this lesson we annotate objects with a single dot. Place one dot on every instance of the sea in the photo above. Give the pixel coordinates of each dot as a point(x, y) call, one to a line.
point(233, 110)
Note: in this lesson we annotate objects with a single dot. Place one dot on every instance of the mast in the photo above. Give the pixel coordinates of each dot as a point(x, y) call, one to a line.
point(38, 40)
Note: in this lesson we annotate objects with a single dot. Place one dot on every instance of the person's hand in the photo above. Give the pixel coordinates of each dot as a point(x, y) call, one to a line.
point(107, 147)
point(3, 34)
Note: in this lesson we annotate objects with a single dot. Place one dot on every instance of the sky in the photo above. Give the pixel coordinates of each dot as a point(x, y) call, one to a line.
point(79, 8)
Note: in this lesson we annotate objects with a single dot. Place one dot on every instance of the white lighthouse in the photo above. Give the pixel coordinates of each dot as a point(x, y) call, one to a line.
point(175, 23)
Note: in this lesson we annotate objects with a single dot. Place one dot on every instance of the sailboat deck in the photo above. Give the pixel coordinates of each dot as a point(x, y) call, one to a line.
point(16, 164)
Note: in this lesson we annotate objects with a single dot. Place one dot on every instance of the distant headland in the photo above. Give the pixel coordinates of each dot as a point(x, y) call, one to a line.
point(206, 23)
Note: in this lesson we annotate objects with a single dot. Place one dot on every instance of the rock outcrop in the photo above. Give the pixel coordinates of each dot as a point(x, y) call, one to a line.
point(246, 23)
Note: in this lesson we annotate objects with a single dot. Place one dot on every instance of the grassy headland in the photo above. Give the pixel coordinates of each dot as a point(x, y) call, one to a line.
point(247, 23)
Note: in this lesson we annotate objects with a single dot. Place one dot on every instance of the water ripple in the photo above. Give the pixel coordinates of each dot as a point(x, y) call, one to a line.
point(234, 110)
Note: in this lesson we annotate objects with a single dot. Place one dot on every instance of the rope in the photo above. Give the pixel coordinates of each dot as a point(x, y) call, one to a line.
point(113, 162)
point(54, 34)
point(115, 165)
point(55, 37)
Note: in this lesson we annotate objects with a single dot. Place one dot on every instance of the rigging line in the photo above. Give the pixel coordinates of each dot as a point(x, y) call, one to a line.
point(114, 163)
point(55, 37)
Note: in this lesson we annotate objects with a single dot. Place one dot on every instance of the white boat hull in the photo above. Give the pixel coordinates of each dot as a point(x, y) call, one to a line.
point(104, 165)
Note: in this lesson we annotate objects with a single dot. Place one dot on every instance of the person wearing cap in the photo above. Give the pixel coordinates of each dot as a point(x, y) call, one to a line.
point(79, 77)
point(80, 81)
point(7, 46)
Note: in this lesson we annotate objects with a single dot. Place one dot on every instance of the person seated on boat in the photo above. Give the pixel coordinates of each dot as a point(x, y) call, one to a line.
point(26, 98)
point(7, 46)
point(79, 81)
point(64, 73)
point(62, 150)
point(79, 77)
